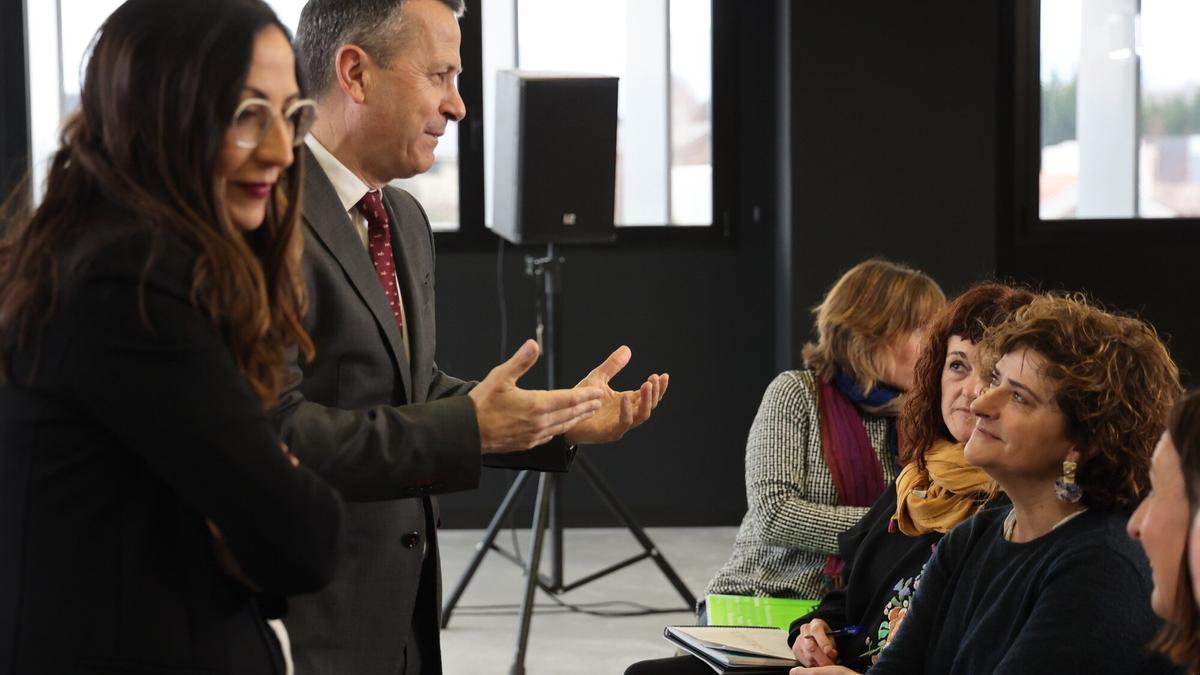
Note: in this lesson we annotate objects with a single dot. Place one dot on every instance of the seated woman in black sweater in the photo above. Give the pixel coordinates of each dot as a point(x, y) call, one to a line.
point(1161, 524)
point(1076, 400)
point(935, 491)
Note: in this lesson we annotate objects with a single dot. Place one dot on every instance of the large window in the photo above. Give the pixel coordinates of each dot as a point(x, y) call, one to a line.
point(56, 69)
point(1120, 109)
point(660, 49)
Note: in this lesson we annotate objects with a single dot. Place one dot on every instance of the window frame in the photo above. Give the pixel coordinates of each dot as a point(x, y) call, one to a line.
point(1020, 74)
point(474, 235)
point(14, 111)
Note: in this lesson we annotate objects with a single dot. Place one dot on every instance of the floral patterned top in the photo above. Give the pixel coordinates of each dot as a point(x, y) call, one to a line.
point(893, 615)
point(883, 572)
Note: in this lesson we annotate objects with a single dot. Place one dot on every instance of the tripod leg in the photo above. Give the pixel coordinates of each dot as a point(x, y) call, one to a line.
point(610, 499)
point(481, 549)
point(556, 536)
point(538, 533)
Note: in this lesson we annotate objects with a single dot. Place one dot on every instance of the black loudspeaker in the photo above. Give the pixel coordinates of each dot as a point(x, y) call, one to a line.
point(556, 157)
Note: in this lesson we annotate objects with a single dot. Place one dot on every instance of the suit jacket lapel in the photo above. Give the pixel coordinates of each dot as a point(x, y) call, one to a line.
point(324, 215)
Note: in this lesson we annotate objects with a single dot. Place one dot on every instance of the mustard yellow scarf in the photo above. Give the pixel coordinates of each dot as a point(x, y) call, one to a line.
point(946, 493)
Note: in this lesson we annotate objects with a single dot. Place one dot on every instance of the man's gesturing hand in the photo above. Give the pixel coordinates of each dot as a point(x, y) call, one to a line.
point(622, 410)
point(511, 418)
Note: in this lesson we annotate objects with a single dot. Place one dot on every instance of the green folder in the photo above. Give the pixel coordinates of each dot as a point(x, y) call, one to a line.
point(744, 610)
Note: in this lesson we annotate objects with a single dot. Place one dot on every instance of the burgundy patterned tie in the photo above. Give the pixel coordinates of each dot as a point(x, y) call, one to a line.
point(379, 241)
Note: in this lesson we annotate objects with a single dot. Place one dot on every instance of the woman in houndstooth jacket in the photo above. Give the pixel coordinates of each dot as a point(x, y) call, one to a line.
point(823, 444)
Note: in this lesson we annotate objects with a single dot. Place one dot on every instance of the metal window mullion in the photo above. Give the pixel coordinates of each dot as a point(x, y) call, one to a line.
point(669, 99)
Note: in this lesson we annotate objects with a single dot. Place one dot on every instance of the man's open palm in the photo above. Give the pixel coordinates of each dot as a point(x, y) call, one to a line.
point(620, 411)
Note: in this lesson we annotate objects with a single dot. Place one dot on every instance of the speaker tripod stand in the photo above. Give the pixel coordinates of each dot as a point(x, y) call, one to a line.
point(546, 505)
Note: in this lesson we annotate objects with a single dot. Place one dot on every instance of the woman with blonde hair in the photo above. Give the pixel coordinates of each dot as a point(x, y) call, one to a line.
point(823, 444)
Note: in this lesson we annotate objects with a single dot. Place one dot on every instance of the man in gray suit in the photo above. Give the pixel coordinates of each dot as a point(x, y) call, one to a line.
point(372, 413)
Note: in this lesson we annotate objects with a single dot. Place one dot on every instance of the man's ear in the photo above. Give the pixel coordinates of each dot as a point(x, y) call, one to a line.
point(350, 67)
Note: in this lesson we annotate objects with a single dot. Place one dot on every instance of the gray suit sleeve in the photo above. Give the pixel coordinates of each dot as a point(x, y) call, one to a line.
point(443, 386)
point(394, 452)
point(383, 452)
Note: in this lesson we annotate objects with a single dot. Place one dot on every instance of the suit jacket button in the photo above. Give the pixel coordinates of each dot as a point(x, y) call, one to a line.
point(411, 539)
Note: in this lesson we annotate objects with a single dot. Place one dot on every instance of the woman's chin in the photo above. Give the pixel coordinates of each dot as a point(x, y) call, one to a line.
point(961, 432)
point(248, 218)
point(1159, 604)
point(974, 452)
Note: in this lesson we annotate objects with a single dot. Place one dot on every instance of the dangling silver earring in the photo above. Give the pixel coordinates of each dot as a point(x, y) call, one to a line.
point(1065, 487)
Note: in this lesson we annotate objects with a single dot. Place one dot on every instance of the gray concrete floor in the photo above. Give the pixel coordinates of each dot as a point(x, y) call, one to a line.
point(482, 640)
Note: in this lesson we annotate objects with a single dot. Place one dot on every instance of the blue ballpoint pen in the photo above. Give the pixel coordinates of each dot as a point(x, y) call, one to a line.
point(848, 630)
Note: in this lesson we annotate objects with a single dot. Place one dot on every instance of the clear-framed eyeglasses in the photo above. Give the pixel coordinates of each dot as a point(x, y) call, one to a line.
point(254, 116)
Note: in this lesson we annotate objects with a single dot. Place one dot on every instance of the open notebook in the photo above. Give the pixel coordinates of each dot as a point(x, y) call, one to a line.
point(736, 649)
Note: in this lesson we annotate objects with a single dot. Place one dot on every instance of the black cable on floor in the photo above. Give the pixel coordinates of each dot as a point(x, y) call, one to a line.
point(561, 606)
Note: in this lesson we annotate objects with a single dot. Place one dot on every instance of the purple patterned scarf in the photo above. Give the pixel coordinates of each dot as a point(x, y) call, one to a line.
point(849, 455)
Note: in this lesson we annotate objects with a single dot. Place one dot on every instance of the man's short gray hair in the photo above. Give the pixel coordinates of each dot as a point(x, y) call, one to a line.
point(327, 25)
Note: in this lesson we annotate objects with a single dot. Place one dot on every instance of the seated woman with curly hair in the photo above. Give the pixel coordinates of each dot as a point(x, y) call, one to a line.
point(1077, 399)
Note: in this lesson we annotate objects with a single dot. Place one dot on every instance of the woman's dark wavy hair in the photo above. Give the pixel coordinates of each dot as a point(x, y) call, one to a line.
point(158, 98)
point(1180, 635)
point(1114, 381)
point(968, 316)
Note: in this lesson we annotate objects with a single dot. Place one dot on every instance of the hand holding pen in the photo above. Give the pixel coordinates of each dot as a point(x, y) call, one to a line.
point(848, 630)
point(815, 646)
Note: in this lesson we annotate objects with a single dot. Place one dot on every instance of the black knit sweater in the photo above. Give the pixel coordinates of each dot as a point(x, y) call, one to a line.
point(1076, 600)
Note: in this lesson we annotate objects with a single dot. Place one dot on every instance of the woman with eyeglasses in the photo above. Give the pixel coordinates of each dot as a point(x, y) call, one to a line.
point(1075, 400)
point(149, 522)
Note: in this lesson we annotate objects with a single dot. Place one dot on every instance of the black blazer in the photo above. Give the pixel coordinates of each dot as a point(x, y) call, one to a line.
point(126, 425)
point(388, 432)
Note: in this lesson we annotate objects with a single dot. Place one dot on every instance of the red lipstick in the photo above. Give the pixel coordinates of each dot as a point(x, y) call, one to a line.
point(257, 190)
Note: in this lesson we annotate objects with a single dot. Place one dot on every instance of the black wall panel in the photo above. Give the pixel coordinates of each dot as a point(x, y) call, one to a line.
point(14, 117)
point(892, 141)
